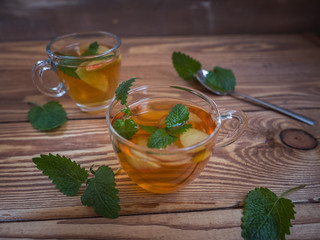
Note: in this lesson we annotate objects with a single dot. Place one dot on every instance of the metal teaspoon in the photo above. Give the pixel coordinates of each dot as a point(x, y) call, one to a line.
point(201, 77)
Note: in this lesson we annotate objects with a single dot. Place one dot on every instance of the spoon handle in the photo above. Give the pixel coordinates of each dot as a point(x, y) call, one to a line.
point(274, 107)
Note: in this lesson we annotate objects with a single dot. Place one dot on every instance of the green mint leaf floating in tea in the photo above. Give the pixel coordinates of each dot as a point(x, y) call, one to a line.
point(179, 130)
point(69, 66)
point(67, 175)
point(92, 50)
point(47, 117)
point(185, 65)
point(101, 193)
point(178, 116)
point(160, 139)
point(267, 216)
point(221, 79)
point(125, 127)
point(175, 125)
point(149, 129)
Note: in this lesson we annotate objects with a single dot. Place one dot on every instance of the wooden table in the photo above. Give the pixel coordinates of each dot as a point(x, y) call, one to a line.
point(281, 69)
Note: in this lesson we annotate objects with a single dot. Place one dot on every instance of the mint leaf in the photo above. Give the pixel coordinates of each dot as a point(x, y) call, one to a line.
point(47, 117)
point(179, 130)
point(67, 175)
point(178, 115)
point(160, 139)
point(126, 111)
point(69, 67)
point(185, 65)
point(101, 193)
point(92, 50)
point(126, 128)
point(123, 89)
point(149, 129)
point(175, 125)
point(267, 216)
point(221, 79)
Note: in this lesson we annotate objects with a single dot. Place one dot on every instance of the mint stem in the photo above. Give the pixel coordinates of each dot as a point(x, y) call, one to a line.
point(291, 190)
point(91, 170)
point(129, 111)
point(117, 171)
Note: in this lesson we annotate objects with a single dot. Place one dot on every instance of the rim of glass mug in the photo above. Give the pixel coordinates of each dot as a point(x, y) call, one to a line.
point(82, 34)
point(213, 105)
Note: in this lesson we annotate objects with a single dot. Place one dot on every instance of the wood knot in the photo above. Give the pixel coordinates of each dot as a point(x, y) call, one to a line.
point(298, 139)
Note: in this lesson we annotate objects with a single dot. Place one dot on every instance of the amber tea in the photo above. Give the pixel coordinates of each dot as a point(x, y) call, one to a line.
point(92, 83)
point(159, 172)
point(88, 68)
point(168, 167)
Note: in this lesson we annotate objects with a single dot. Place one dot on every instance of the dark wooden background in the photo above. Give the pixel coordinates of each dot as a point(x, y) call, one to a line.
point(44, 19)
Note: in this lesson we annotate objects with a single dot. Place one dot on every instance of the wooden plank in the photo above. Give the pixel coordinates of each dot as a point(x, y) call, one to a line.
point(279, 69)
point(211, 224)
point(19, 20)
point(257, 159)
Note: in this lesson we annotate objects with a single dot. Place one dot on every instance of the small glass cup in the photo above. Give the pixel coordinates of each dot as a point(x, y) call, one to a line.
point(169, 169)
point(88, 66)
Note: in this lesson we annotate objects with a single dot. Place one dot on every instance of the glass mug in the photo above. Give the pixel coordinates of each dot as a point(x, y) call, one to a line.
point(171, 168)
point(88, 67)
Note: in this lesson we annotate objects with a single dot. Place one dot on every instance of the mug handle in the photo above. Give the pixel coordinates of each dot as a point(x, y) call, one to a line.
point(37, 75)
point(231, 134)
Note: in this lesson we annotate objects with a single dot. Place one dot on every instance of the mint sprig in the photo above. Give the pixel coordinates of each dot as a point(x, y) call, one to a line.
point(101, 193)
point(125, 127)
point(219, 78)
point(68, 176)
point(267, 216)
point(47, 117)
point(175, 125)
point(160, 137)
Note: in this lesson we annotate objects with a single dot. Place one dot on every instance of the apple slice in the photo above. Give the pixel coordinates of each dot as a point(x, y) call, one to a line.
point(95, 79)
point(142, 161)
point(192, 136)
point(194, 118)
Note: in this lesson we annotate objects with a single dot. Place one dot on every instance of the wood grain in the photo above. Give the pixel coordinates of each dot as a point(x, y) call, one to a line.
point(258, 156)
point(212, 224)
point(281, 69)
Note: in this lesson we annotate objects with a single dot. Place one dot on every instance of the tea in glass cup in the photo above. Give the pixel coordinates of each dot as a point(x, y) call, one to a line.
point(88, 67)
point(167, 169)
